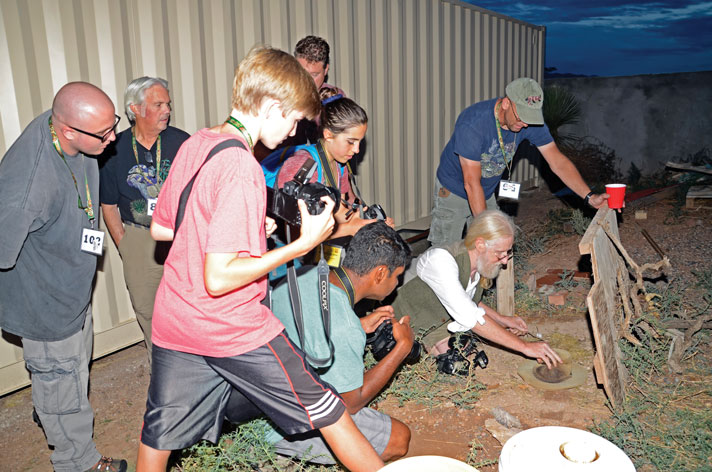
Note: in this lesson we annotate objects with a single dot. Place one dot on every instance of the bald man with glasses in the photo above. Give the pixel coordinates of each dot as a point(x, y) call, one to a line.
point(49, 244)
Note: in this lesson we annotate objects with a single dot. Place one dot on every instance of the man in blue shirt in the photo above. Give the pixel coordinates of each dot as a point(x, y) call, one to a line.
point(375, 258)
point(482, 147)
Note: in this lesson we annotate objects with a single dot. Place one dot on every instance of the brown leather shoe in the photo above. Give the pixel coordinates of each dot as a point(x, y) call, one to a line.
point(108, 464)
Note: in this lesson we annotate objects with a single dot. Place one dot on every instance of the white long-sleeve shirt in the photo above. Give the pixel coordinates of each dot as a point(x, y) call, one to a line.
point(438, 269)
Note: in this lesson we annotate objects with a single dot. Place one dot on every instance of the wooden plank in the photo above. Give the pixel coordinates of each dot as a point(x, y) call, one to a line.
point(607, 350)
point(698, 192)
point(679, 165)
point(601, 301)
point(505, 290)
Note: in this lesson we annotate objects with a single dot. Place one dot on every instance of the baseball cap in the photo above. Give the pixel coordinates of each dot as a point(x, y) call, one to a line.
point(528, 96)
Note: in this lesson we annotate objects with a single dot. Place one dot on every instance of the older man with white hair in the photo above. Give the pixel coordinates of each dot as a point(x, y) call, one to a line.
point(446, 294)
point(136, 166)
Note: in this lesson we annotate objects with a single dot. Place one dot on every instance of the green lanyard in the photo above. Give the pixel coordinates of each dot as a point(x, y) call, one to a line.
point(89, 209)
point(158, 154)
point(501, 141)
point(231, 120)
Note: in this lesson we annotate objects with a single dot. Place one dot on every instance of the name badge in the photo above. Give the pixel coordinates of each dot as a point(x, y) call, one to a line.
point(92, 241)
point(509, 189)
point(333, 254)
point(150, 205)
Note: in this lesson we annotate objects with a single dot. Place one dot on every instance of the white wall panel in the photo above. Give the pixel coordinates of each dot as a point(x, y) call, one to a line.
point(414, 65)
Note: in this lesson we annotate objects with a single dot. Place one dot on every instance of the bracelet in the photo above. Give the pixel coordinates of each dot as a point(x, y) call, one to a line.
point(588, 197)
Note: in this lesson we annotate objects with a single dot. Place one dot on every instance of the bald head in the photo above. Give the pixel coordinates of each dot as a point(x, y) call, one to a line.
point(80, 105)
point(78, 101)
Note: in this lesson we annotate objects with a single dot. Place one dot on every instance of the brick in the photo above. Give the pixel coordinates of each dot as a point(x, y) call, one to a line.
point(558, 298)
point(641, 215)
point(549, 279)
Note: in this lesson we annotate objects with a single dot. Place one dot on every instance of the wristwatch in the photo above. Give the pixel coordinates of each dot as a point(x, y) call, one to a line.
point(588, 197)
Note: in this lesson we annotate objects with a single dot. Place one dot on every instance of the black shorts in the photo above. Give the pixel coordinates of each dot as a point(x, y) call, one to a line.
point(188, 393)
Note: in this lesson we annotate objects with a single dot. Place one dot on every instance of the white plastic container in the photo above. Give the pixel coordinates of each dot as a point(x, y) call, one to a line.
point(428, 464)
point(561, 449)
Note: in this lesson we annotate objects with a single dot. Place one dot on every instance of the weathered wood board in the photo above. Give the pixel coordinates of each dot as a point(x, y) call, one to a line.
point(698, 193)
point(603, 309)
point(505, 290)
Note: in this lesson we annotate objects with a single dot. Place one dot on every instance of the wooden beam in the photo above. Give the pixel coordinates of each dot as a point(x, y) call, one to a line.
point(505, 290)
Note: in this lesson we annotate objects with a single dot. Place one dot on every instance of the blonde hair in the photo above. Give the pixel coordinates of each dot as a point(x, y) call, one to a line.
point(267, 72)
point(489, 225)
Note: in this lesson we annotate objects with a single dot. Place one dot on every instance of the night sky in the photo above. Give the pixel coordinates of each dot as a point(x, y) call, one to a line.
point(613, 38)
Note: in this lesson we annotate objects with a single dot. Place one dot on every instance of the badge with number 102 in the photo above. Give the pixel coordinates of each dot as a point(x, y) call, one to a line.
point(92, 241)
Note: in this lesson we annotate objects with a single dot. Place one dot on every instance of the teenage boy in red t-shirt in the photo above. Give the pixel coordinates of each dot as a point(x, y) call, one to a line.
point(210, 331)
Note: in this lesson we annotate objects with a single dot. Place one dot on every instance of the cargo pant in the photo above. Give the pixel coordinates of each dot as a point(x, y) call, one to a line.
point(60, 382)
point(450, 216)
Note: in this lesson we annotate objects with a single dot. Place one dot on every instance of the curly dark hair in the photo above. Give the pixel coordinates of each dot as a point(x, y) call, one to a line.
point(374, 245)
point(313, 49)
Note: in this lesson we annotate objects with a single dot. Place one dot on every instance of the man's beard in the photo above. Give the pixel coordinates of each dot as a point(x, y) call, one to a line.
point(488, 272)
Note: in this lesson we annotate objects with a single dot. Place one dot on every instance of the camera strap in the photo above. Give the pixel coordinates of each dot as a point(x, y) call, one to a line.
point(326, 168)
point(356, 191)
point(324, 306)
point(346, 282)
point(183, 200)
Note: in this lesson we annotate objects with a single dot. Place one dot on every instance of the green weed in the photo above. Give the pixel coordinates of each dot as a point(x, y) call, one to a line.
point(245, 448)
point(423, 384)
point(472, 456)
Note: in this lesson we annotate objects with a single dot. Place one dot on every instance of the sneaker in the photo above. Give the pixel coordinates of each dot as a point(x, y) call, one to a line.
point(36, 418)
point(108, 464)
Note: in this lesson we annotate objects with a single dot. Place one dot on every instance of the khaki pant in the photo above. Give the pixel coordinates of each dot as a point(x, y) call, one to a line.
point(143, 268)
point(451, 215)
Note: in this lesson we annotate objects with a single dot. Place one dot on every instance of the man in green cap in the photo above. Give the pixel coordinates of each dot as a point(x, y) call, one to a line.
point(481, 149)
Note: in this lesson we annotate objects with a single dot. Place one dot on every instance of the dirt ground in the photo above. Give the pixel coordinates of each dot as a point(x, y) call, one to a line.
point(119, 381)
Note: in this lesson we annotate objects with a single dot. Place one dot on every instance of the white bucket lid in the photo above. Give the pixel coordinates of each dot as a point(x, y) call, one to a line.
point(428, 464)
point(562, 449)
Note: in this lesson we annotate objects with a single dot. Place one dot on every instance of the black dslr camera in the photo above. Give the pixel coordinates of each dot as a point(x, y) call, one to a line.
point(382, 342)
point(454, 361)
point(282, 202)
point(374, 212)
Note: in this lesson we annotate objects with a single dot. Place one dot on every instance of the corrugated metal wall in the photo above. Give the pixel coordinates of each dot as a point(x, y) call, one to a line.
point(412, 64)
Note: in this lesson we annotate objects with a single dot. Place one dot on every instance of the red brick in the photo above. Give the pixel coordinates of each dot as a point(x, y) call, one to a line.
point(558, 298)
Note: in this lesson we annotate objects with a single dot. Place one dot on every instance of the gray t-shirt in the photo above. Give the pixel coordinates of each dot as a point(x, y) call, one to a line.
point(45, 279)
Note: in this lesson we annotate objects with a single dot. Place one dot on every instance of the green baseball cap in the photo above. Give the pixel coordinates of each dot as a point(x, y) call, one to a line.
point(528, 96)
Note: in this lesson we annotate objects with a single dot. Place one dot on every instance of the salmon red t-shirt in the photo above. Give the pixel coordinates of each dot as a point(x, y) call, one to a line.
point(225, 213)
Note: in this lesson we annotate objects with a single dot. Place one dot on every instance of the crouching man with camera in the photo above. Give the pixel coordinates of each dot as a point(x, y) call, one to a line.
point(447, 291)
point(375, 258)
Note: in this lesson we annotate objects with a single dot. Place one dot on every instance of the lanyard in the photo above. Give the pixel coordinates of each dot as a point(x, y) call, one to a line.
point(158, 153)
point(326, 167)
point(231, 120)
point(501, 141)
point(89, 209)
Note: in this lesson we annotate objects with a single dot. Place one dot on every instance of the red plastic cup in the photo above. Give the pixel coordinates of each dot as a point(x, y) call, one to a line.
point(616, 193)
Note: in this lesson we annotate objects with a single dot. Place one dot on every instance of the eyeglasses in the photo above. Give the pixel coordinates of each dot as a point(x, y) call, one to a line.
point(502, 254)
point(106, 135)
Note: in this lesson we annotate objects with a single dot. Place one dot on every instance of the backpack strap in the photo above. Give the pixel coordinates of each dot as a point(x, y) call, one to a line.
point(183, 200)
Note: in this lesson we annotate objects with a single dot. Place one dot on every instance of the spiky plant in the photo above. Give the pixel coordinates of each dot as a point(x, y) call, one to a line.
point(560, 108)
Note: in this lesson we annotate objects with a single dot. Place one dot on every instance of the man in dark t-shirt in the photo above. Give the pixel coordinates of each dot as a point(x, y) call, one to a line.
point(49, 243)
point(481, 149)
point(135, 168)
